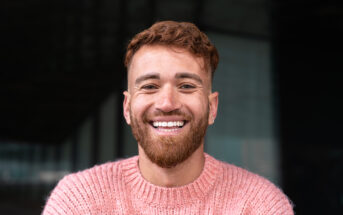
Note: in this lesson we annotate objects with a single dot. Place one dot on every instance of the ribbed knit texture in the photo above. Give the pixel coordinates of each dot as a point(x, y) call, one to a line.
point(119, 188)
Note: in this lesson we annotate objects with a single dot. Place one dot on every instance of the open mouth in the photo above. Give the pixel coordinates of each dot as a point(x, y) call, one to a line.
point(168, 125)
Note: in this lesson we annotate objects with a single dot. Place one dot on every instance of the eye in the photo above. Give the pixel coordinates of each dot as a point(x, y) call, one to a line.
point(149, 87)
point(187, 86)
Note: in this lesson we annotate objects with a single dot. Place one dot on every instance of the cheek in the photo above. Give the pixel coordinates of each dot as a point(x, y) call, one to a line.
point(139, 105)
point(196, 104)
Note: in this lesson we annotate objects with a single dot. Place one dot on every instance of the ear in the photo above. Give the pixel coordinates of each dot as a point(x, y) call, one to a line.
point(126, 107)
point(213, 103)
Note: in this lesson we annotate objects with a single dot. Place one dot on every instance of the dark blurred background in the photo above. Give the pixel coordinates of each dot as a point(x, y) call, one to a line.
point(62, 77)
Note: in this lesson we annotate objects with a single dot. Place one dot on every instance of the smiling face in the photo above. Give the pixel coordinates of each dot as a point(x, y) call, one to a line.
point(169, 103)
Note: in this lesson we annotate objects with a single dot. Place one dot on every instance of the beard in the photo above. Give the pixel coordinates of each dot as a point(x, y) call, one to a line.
point(169, 151)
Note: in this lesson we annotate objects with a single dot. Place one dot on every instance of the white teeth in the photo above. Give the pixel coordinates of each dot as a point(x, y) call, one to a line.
point(168, 124)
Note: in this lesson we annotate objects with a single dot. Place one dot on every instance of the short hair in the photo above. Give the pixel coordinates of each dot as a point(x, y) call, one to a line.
point(182, 35)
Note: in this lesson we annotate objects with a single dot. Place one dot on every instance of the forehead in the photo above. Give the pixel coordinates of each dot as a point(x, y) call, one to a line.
point(164, 60)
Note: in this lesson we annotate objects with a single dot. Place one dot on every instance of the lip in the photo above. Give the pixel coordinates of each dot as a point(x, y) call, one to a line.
point(167, 118)
point(167, 132)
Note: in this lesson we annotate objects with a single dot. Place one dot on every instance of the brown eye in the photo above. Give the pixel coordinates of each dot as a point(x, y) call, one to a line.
point(149, 87)
point(187, 86)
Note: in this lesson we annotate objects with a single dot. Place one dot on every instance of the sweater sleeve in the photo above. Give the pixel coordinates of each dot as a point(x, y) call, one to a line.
point(91, 191)
point(63, 199)
point(267, 199)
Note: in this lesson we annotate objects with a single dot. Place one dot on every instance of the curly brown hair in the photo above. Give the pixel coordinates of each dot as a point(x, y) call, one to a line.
point(182, 35)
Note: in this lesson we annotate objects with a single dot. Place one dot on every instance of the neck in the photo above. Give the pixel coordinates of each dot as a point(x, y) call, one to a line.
point(182, 174)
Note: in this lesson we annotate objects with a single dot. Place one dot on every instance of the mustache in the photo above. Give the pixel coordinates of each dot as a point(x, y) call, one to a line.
point(155, 113)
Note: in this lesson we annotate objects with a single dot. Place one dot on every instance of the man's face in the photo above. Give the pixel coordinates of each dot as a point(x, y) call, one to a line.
point(169, 103)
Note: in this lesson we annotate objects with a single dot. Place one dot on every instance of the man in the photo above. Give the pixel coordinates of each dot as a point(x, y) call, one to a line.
point(169, 103)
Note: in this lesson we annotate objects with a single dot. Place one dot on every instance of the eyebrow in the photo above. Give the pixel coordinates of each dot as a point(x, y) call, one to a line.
point(188, 75)
point(146, 77)
point(156, 76)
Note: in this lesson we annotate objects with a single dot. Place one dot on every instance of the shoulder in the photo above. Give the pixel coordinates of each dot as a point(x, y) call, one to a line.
point(240, 176)
point(103, 175)
point(253, 192)
point(86, 189)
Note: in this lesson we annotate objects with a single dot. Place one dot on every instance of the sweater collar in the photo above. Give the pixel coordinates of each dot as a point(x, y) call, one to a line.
point(152, 194)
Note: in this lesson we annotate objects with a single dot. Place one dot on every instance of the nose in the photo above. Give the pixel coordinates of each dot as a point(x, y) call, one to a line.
point(167, 99)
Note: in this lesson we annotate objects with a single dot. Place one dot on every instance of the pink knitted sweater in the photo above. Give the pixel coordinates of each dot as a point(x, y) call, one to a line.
point(119, 188)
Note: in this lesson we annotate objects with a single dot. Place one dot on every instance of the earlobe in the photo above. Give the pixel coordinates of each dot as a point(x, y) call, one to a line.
point(213, 103)
point(126, 107)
